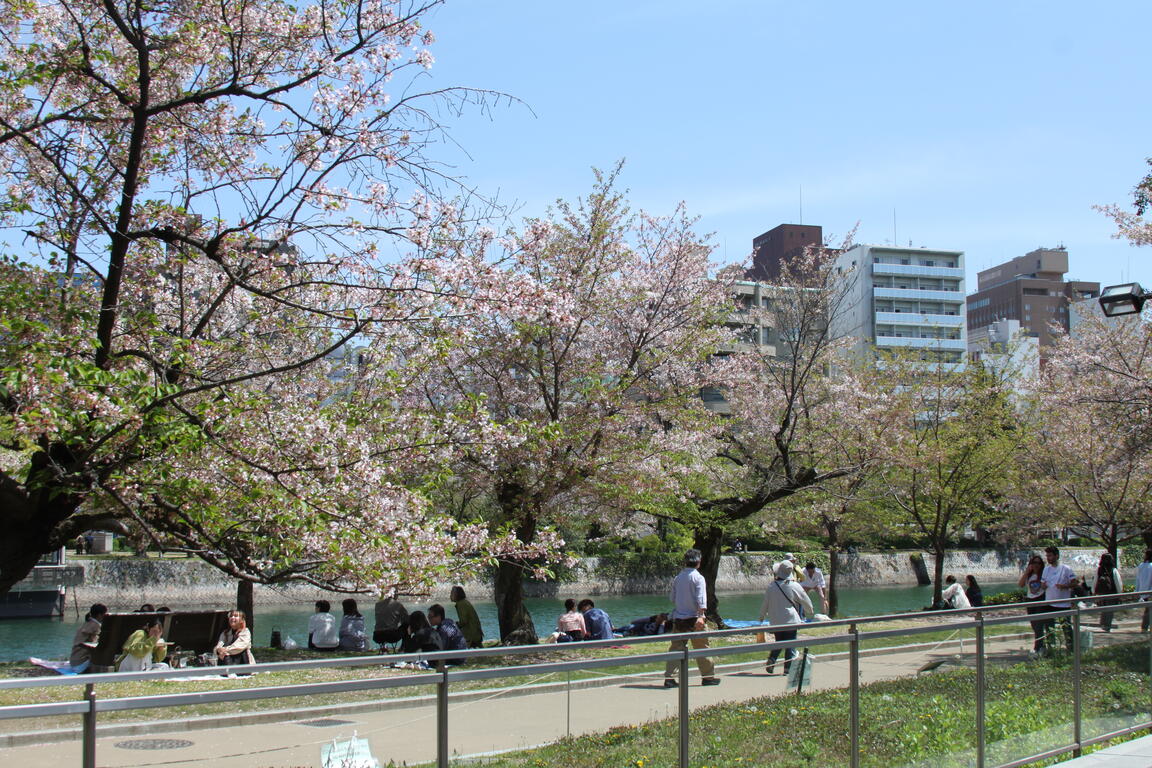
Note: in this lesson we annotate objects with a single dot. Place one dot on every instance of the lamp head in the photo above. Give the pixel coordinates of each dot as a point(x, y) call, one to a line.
point(1123, 299)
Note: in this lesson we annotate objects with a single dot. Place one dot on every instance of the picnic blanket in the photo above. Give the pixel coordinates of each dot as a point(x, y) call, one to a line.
point(60, 667)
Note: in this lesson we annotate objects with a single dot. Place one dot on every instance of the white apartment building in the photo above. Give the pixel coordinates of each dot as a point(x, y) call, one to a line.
point(1009, 351)
point(906, 299)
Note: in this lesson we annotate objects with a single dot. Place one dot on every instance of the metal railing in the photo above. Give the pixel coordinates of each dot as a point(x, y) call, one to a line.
point(89, 706)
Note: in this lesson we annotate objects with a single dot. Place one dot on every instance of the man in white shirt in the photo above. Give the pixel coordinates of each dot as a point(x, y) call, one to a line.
point(323, 629)
point(954, 595)
point(813, 580)
point(1143, 584)
point(1058, 580)
point(690, 599)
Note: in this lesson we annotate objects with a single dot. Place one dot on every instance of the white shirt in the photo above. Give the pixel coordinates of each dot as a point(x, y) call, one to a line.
point(955, 596)
point(689, 594)
point(1058, 597)
point(781, 600)
point(324, 630)
point(1144, 577)
point(813, 581)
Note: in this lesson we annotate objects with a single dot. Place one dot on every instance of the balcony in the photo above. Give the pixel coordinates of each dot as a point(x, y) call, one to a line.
point(917, 293)
point(915, 269)
point(918, 318)
point(919, 343)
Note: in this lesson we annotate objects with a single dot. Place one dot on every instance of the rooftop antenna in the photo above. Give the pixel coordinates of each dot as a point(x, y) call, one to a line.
point(895, 240)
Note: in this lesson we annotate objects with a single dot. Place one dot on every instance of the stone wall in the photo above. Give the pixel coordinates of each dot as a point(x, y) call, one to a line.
point(126, 583)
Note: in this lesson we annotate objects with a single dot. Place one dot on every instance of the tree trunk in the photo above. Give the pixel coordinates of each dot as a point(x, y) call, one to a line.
point(832, 528)
point(709, 541)
point(516, 625)
point(245, 602)
point(37, 521)
point(938, 549)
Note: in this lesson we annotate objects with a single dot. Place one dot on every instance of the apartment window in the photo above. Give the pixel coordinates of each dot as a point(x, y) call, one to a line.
point(904, 261)
point(1027, 306)
point(929, 263)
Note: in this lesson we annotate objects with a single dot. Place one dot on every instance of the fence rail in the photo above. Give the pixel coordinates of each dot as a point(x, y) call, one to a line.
point(90, 705)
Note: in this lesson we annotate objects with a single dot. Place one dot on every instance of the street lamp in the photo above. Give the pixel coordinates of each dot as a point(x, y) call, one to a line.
point(1123, 299)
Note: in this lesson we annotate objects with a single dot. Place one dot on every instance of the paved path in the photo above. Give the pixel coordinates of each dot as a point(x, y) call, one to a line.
point(1131, 754)
point(505, 719)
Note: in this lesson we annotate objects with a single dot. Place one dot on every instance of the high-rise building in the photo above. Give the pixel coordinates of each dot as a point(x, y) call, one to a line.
point(905, 299)
point(1029, 288)
point(778, 245)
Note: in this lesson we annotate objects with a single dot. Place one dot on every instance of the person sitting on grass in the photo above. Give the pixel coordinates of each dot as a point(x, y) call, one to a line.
point(145, 649)
point(353, 636)
point(420, 636)
point(596, 621)
point(450, 634)
point(467, 619)
point(87, 637)
point(954, 595)
point(323, 631)
point(235, 643)
point(571, 625)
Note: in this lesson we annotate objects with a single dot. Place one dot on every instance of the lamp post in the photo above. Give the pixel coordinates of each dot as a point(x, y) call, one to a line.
point(1123, 299)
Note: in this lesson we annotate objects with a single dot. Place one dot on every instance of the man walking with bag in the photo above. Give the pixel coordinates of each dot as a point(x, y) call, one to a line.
point(691, 600)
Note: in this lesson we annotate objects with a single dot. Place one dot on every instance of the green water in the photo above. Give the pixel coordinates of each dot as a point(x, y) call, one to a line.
point(52, 638)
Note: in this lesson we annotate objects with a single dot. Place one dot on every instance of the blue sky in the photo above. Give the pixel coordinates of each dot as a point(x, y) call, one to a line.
point(991, 127)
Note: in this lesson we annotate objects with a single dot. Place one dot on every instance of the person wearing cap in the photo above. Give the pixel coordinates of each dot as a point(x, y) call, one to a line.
point(691, 603)
point(797, 571)
point(784, 603)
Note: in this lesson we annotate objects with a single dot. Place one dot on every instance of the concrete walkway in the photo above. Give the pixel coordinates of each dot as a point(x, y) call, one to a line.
point(494, 721)
point(1131, 754)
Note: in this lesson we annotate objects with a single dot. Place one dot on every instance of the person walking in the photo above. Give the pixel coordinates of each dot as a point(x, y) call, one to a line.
point(1144, 584)
point(1059, 579)
point(690, 599)
point(785, 602)
point(1032, 580)
point(1108, 582)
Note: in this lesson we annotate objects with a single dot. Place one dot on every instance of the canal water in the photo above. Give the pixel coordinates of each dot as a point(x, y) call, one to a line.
point(52, 638)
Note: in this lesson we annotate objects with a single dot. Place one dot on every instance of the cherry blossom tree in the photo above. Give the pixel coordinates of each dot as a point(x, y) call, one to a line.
point(589, 381)
point(953, 450)
point(1090, 464)
point(778, 397)
point(207, 205)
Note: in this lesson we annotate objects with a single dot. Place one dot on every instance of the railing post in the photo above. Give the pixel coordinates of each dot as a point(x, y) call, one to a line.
point(89, 747)
point(684, 713)
point(1076, 709)
point(854, 694)
point(980, 686)
point(442, 719)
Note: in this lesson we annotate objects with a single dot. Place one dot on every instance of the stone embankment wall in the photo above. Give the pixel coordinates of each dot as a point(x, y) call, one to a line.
point(125, 583)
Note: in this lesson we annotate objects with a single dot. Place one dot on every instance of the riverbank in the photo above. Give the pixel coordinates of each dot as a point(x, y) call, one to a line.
point(188, 581)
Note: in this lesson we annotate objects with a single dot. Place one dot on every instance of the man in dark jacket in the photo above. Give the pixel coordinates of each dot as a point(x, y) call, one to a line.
point(450, 633)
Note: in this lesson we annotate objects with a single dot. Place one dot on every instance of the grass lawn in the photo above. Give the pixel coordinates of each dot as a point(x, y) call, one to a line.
point(923, 721)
